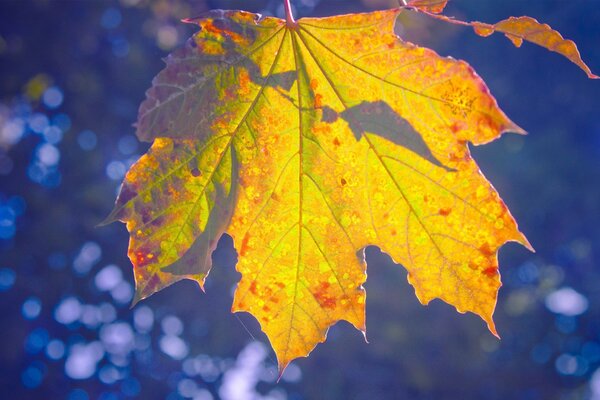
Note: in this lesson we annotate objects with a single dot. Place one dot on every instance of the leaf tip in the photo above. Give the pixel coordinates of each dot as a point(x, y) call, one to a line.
point(522, 240)
point(200, 283)
point(109, 219)
point(492, 327)
point(526, 243)
point(280, 370)
point(136, 299)
point(141, 293)
point(514, 128)
point(364, 332)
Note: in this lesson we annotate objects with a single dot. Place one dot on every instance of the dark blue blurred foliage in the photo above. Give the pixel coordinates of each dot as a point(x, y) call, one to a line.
point(72, 74)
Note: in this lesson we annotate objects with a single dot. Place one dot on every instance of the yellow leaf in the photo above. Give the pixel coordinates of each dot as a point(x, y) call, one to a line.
point(518, 29)
point(307, 142)
point(433, 6)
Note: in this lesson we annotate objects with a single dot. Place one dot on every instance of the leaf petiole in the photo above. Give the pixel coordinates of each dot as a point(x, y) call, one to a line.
point(289, 17)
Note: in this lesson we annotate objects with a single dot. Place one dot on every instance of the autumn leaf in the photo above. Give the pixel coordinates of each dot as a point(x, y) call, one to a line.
point(432, 6)
point(518, 29)
point(306, 142)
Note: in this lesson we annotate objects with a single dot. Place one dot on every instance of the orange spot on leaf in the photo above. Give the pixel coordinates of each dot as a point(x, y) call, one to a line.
point(445, 211)
point(253, 288)
point(322, 296)
point(486, 250)
point(244, 247)
point(318, 101)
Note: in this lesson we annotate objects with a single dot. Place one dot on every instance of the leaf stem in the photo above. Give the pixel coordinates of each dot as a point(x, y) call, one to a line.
point(289, 17)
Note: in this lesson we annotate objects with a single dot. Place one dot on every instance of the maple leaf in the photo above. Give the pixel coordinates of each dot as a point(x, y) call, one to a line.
point(306, 142)
point(517, 29)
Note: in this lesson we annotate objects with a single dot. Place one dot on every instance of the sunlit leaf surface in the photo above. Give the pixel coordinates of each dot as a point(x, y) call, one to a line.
point(306, 144)
point(519, 29)
point(433, 6)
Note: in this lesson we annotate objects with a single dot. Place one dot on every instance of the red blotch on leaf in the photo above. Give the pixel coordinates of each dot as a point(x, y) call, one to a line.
point(324, 299)
point(445, 211)
point(244, 247)
point(486, 249)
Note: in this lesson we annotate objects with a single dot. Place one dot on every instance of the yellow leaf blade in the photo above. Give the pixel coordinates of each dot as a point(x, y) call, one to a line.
point(427, 204)
point(306, 144)
point(300, 274)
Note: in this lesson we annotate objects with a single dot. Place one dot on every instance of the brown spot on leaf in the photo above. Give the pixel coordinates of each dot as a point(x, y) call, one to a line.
point(445, 211)
point(325, 301)
point(318, 101)
point(336, 142)
point(343, 182)
point(244, 247)
point(322, 296)
point(456, 127)
point(486, 249)
point(141, 258)
point(253, 287)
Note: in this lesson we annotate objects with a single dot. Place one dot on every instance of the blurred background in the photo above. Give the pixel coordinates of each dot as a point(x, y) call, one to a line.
point(72, 74)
